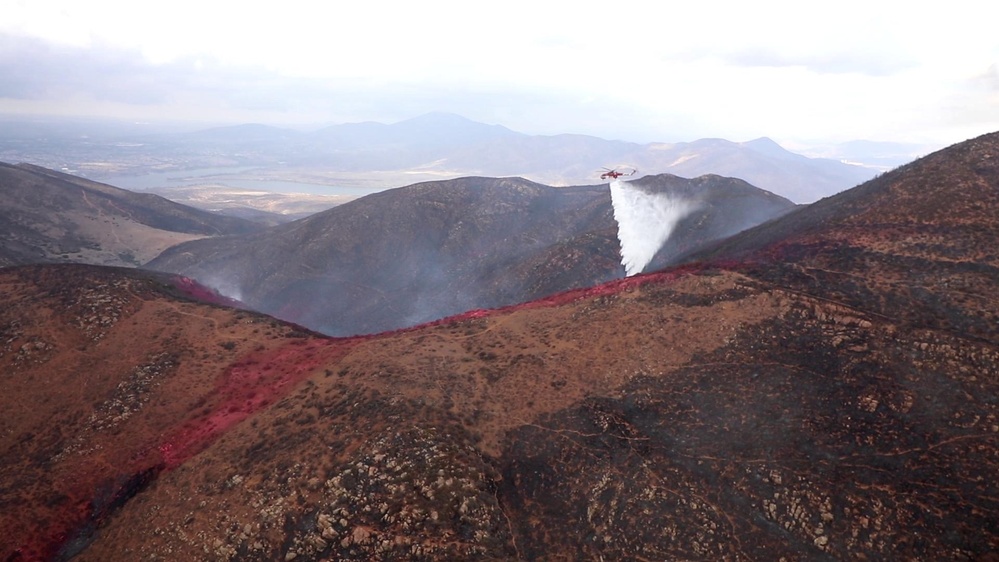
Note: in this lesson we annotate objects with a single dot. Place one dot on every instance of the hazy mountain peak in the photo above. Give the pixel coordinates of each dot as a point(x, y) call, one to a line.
point(440, 124)
point(440, 118)
point(766, 145)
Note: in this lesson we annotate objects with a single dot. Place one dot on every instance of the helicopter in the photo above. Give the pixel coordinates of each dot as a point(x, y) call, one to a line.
point(614, 174)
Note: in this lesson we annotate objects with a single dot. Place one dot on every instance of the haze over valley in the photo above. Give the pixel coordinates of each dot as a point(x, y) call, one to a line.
point(350, 160)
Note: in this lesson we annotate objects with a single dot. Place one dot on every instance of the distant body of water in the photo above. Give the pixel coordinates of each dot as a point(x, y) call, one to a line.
point(222, 176)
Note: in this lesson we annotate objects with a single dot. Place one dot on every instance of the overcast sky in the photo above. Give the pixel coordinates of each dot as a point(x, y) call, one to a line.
point(640, 71)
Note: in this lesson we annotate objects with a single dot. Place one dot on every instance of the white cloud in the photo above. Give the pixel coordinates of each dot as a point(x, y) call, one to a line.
point(887, 70)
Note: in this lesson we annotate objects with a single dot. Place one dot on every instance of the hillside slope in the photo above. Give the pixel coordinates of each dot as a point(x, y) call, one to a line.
point(426, 251)
point(49, 216)
point(832, 396)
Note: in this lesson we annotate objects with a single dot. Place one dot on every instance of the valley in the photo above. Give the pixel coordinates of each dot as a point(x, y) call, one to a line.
point(362, 158)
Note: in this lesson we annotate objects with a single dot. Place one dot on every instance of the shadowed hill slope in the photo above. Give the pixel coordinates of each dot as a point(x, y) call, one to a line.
point(48, 216)
point(941, 195)
point(831, 397)
point(426, 251)
point(398, 257)
point(923, 232)
point(722, 207)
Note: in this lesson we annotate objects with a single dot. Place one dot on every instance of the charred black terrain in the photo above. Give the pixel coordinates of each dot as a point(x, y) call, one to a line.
point(430, 250)
point(48, 216)
point(825, 387)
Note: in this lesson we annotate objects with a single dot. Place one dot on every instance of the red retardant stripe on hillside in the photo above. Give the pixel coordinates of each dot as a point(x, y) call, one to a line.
point(253, 383)
point(572, 295)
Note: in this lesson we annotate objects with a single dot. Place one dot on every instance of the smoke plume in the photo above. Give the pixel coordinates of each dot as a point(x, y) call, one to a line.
point(644, 222)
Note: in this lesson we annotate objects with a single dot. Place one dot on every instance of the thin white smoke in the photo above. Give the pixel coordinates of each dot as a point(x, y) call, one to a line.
point(225, 286)
point(644, 222)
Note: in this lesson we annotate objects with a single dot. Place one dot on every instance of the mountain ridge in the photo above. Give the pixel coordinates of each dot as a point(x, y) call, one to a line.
point(51, 216)
point(414, 254)
point(830, 393)
point(957, 196)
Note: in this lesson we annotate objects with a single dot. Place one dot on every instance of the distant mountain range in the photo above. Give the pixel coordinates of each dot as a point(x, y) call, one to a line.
point(438, 146)
point(450, 145)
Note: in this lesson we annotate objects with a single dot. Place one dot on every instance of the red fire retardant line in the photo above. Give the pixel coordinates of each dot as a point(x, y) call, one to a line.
point(248, 386)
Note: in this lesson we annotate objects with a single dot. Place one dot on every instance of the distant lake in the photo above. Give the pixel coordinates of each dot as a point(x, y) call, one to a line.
point(223, 176)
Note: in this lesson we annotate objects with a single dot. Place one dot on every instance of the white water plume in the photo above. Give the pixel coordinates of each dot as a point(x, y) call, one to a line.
point(644, 222)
